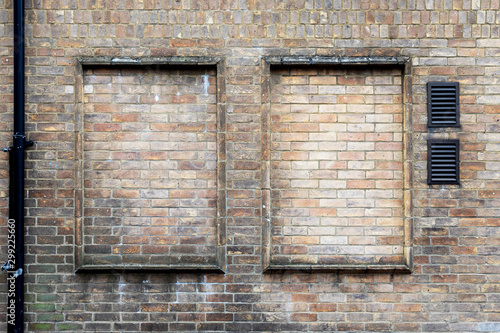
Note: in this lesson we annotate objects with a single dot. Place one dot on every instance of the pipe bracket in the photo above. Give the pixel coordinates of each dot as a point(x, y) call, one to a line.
point(20, 142)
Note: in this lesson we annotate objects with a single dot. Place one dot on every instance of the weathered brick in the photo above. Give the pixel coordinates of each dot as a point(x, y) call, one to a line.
point(146, 159)
point(172, 153)
point(314, 119)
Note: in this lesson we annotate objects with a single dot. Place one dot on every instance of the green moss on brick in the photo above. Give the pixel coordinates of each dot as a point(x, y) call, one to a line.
point(69, 327)
point(41, 327)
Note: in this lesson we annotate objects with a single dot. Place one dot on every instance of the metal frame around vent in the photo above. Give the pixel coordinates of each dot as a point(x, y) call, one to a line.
point(443, 162)
point(443, 106)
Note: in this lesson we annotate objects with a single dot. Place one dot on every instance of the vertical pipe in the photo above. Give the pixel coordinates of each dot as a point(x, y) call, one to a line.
point(15, 276)
point(19, 90)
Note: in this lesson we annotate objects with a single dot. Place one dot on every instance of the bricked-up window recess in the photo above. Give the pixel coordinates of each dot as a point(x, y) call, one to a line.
point(443, 162)
point(334, 164)
point(443, 105)
point(151, 164)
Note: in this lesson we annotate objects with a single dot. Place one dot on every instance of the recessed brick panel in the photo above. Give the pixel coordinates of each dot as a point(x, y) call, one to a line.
point(336, 165)
point(149, 166)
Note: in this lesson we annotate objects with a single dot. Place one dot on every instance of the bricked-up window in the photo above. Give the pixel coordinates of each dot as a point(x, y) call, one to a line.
point(336, 166)
point(149, 166)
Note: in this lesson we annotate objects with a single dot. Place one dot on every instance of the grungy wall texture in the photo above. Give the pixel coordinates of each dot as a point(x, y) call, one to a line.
point(149, 161)
point(237, 166)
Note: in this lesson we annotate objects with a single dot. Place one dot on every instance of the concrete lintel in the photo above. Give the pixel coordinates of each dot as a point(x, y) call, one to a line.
point(365, 60)
point(149, 61)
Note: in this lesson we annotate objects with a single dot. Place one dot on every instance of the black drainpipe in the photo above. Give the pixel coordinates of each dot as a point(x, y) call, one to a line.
point(15, 243)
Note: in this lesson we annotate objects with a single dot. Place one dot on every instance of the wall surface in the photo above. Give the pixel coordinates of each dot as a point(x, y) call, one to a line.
point(237, 166)
point(336, 165)
point(149, 167)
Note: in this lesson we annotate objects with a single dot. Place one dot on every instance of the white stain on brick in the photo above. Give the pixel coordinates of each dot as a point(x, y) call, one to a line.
point(206, 84)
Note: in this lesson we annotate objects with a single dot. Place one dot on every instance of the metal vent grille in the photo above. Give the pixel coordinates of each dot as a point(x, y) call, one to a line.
point(443, 104)
point(443, 162)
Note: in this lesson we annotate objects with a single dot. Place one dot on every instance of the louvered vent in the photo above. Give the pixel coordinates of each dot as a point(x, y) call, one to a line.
point(443, 104)
point(443, 162)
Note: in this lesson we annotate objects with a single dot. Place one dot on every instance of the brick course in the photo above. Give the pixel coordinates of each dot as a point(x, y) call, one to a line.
point(450, 232)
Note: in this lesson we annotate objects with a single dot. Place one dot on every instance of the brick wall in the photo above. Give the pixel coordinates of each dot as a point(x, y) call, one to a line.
point(296, 187)
point(337, 165)
point(149, 167)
